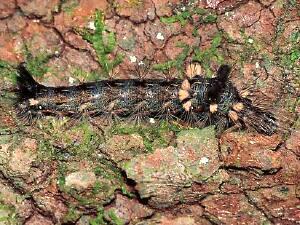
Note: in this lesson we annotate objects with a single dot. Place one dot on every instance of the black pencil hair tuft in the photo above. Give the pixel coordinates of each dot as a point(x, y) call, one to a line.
point(26, 84)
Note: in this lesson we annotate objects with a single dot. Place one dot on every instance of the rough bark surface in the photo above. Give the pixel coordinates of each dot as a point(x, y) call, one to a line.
point(78, 171)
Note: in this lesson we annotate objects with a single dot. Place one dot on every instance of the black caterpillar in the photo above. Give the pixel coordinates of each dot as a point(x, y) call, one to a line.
point(198, 101)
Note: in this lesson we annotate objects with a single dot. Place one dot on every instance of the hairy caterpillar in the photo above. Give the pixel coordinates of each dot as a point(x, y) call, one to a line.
point(199, 101)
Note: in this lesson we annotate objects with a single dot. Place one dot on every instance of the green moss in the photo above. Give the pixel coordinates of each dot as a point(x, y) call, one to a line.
point(72, 215)
point(70, 143)
point(108, 170)
point(89, 140)
point(81, 75)
point(251, 47)
point(206, 56)
point(97, 188)
point(290, 57)
point(127, 193)
point(106, 218)
point(8, 215)
point(68, 6)
point(62, 171)
point(153, 136)
point(195, 16)
point(177, 63)
point(36, 65)
point(114, 219)
point(104, 43)
point(295, 36)
point(98, 171)
point(47, 151)
point(294, 55)
point(211, 18)
point(288, 53)
point(8, 71)
point(100, 187)
point(51, 131)
point(183, 17)
point(60, 139)
point(109, 179)
point(99, 220)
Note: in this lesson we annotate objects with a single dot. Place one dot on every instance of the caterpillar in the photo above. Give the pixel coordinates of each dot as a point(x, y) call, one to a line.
point(197, 101)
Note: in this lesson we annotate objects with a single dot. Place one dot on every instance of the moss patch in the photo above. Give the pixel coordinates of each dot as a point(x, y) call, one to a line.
point(36, 65)
point(8, 215)
point(209, 55)
point(177, 63)
point(107, 179)
point(204, 57)
point(72, 215)
point(185, 14)
point(154, 136)
point(82, 75)
point(60, 139)
point(104, 43)
point(8, 71)
point(106, 218)
point(68, 6)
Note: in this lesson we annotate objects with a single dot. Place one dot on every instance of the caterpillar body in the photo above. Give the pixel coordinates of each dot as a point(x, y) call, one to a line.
point(198, 101)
